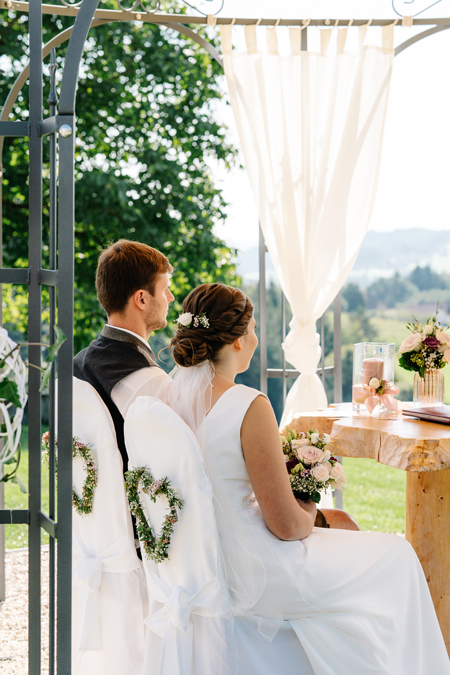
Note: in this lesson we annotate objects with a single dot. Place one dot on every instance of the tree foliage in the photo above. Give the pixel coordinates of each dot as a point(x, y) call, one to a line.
point(146, 135)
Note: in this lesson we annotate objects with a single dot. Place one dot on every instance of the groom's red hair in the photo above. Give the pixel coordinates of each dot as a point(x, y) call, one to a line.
point(124, 268)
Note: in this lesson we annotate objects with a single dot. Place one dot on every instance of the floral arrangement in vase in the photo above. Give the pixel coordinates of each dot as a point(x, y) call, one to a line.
point(312, 469)
point(426, 351)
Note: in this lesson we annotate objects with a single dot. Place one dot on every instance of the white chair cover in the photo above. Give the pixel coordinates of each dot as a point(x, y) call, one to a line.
point(109, 594)
point(190, 605)
point(192, 630)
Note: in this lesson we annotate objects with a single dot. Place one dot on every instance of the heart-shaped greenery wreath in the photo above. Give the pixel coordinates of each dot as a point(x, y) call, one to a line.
point(84, 504)
point(156, 548)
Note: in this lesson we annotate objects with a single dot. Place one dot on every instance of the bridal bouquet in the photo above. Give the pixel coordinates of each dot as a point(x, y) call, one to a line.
point(311, 467)
point(427, 348)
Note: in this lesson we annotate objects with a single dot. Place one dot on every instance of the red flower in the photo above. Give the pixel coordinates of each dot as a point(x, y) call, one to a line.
point(290, 465)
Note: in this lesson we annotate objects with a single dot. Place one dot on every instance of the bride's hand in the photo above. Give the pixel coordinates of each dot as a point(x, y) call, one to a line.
point(310, 507)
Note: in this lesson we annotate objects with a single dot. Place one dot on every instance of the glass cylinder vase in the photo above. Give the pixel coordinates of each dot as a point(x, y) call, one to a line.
point(370, 360)
point(428, 391)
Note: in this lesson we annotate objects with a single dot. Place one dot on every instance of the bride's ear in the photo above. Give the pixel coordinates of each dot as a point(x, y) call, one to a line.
point(237, 344)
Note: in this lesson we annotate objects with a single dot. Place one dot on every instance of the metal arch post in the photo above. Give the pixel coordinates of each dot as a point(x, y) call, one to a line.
point(66, 255)
point(73, 57)
point(418, 37)
point(188, 32)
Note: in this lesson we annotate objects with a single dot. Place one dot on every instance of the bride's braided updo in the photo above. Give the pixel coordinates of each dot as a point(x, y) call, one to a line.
point(228, 311)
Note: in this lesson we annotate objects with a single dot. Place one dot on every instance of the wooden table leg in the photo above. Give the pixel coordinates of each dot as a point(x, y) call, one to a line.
point(428, 530)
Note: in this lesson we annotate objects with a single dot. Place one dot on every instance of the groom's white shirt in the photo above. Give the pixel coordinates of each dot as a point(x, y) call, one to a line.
point(143, 382)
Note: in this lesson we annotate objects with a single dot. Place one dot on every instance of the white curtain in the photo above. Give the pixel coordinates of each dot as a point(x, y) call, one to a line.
point(311, 128)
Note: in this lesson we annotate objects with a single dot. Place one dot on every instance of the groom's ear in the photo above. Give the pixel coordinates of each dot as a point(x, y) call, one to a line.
point(138, 299)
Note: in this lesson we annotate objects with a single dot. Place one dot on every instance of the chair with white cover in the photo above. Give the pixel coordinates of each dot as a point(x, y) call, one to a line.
point(109, 594)
point(192, 630)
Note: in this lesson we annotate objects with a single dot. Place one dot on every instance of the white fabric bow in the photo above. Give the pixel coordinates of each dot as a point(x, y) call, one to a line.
point(173, 623)
point(302, 349)
point(119, 557)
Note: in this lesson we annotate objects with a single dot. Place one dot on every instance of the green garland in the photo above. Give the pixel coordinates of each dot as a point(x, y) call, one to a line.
point(83, 505)
point(156, 548)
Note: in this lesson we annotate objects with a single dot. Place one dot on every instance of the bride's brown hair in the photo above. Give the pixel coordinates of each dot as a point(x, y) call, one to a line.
point(228, 311)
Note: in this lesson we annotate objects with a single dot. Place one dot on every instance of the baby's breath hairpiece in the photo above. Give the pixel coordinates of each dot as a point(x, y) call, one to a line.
point(188, 320)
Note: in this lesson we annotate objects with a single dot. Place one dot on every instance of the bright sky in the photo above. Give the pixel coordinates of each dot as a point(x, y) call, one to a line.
point(415, 170)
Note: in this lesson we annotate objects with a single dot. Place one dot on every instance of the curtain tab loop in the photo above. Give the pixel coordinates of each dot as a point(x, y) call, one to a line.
point(211, 20)
point(225, 35)
point(272, 41)
point(250, 39)
point(407, 21)
point(325, 36)
point(388, 37)
point(295, 38)
point(341, 40)
point(362, 33)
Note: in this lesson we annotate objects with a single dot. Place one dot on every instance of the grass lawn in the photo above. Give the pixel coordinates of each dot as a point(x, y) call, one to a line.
point(17, 535)
point(374, 496)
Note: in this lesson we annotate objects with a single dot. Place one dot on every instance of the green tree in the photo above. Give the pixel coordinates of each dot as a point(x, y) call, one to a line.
point(425, 279)
point(389, 292)
point(353, 298)
point(146, 135)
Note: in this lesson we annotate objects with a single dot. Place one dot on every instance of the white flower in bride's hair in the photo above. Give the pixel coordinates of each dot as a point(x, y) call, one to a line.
point(185, 319)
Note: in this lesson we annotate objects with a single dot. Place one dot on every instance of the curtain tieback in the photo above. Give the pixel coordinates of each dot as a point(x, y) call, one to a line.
point(302, 347)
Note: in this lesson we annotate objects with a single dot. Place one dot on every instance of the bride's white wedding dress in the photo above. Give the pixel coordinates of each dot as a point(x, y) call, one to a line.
point(358, 601)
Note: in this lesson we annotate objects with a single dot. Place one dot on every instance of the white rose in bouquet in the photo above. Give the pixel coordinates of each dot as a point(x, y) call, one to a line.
point(337, 474)
point(326, 456)
point(428, 329)
point(315, 438)
point(320, 472)
point(297, 444)
point(410, 343)
point(325, 438)
point(374, 382)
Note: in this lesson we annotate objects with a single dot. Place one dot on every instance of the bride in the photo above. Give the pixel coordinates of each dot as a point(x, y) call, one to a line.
point(358, 601)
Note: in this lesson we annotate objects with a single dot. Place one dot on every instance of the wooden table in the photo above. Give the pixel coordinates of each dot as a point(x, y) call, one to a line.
point(423, 450)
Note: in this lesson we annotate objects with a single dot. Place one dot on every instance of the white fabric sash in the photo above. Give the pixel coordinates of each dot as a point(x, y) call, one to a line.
point(173, 622)
point(119, 558)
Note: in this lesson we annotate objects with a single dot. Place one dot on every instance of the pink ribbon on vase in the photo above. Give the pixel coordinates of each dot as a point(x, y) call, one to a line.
point(370, 398)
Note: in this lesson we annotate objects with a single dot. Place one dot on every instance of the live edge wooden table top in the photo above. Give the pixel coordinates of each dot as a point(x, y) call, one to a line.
point(423, 450)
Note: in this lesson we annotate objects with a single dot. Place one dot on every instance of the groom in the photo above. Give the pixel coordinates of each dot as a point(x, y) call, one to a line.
point(133, 288)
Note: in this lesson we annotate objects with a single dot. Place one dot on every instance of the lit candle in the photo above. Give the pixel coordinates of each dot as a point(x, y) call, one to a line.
point(372, 368)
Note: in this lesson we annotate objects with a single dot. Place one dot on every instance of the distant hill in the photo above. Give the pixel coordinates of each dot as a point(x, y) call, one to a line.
point(381, 254)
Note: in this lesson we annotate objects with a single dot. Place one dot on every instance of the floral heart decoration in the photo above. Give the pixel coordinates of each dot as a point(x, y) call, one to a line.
point(156, 548)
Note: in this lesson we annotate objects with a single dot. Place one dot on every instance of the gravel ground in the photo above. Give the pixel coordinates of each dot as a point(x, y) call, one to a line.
point(14, 614)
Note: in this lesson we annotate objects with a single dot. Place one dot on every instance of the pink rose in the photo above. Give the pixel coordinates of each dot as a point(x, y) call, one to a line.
point(337, 472)
point(410, 343)
point(446, 356)
point(444, 338)
point(297, 446)
point(310, 454)
point(320, 472)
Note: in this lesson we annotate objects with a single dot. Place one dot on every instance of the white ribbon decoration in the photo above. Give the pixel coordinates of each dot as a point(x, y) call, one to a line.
point(173, 623)
point(15, 370)
point(119, 558)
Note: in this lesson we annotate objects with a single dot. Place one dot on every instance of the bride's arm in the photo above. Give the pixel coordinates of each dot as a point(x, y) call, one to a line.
point(266, 467)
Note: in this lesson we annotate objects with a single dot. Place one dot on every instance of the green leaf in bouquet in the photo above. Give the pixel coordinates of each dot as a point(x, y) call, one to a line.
point(315, 497)
point(9, 391)
point(53, 350)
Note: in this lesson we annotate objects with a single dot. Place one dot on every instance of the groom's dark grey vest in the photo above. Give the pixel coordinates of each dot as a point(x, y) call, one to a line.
point(108, 359)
